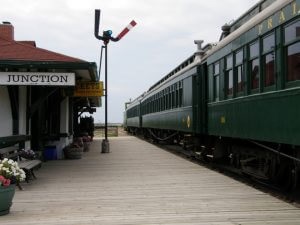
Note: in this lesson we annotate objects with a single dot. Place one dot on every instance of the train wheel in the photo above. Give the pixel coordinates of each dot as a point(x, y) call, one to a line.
point(288, 175)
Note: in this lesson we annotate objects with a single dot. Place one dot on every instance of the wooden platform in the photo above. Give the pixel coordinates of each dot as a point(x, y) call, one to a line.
point(140, 184)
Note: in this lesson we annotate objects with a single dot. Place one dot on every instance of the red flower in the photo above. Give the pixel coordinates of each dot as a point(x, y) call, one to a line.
point(5, 182)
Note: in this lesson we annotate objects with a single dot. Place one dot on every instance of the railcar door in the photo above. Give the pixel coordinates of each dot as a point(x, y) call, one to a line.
point(200, 100)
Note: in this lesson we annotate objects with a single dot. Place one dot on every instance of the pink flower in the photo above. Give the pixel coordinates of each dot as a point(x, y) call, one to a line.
point(6, 182)
point(2, 178)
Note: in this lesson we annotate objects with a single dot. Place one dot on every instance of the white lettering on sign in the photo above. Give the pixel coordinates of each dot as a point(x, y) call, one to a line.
point(37, 78)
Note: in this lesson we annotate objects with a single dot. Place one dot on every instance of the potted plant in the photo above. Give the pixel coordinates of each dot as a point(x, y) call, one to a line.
point(28, 154)
point(74, 150)
point(86, 143)
point(10, 175)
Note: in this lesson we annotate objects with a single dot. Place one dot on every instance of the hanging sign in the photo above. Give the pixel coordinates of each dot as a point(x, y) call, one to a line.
point(37, 78)
point(88, 89)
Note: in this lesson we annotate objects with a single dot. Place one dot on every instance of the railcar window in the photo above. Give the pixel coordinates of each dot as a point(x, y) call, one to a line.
point(254, 49)
point(269, 69)
point(216, 81)
point(173, 97)
point(268, 43)
point(292, 32)
point(291, 37)
point(254, 65)
point(180, 94)
point(229, 76)
point(254, 74)
point(239, 70)
point(239, 57)
point(157, 102)
point(161, 101)
point(170, 98)
point(293, 62)
point(152, 105)
point(269, 59)
point(165, 100)
point(177, 97)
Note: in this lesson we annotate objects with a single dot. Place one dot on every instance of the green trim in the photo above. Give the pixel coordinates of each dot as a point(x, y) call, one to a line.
point(12, 140)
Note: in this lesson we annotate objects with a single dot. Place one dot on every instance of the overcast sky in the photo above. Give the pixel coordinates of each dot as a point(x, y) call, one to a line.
point(163, 37)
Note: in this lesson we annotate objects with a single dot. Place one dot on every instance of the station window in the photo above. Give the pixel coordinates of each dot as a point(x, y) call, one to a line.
point(269, 60)
point(216, 73)
point(291, 37)
point(239, 70)
point(254, 65)
point(229, 76)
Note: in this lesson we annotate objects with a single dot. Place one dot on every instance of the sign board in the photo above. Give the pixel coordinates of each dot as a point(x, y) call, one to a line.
point(88, 89)
point(37, 78)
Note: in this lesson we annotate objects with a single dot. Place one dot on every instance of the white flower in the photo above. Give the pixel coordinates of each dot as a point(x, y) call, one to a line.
point(10, 168)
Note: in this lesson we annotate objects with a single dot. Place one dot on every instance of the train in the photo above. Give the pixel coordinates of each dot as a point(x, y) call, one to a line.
point(237, 101)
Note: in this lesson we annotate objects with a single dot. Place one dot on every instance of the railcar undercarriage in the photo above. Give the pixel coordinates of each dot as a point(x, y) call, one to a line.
point(275, 164)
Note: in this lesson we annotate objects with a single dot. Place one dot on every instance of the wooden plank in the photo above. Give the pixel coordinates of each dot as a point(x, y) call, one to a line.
point(139, 183)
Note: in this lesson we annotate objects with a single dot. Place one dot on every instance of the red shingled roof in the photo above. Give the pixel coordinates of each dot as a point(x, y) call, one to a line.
point(26, 51)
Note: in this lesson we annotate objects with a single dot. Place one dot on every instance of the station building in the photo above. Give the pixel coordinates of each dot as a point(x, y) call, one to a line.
point(37, 86)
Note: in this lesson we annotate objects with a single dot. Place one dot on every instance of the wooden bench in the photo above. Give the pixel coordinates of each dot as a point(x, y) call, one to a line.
point(28, 165)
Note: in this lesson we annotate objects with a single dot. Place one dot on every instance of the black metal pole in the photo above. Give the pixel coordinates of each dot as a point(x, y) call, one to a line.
point(106, 92)
point(105, 143)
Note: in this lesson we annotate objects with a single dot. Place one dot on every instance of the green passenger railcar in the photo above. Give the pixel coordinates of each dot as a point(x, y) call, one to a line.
point(132, 116)
point(254, 79)
point(236, 101)
point(169, 105)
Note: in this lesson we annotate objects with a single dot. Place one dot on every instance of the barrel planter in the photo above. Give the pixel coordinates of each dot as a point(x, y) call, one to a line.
point(72, 152)
point(86, 146)
point(6, 197)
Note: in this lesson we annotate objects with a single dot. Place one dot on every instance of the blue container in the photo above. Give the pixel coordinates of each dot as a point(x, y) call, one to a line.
point(50, 153)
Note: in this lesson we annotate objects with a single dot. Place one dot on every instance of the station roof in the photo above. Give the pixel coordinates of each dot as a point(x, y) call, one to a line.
point(25, 54)
point(27, 51)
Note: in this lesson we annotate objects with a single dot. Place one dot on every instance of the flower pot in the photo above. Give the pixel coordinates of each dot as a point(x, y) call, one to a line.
point(86, 146)
point(6, 197)
point(73, 152)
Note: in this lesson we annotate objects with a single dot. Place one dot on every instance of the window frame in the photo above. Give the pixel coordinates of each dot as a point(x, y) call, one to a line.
point(229, 70)
point(216, 81)
point(239, 65)
point(264, 54)
point(286, 45)
point(251, 59)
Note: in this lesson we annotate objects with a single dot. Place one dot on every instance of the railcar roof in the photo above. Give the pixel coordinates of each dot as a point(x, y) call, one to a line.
point(278, 4)
point(254, 10)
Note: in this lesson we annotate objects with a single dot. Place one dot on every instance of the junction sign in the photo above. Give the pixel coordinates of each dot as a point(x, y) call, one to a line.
point(37, 78)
